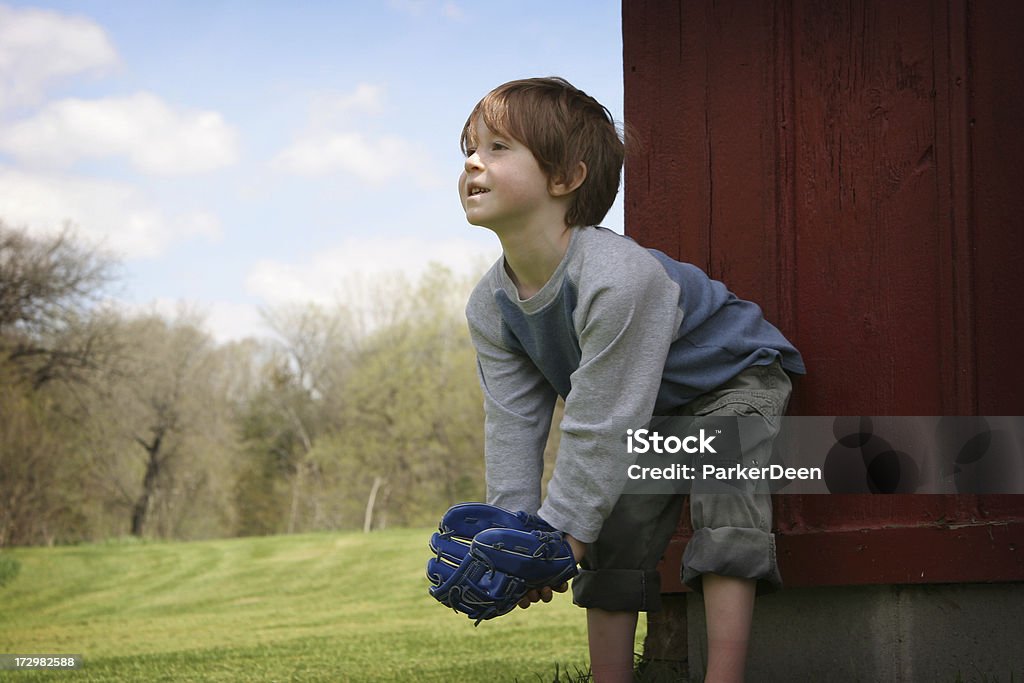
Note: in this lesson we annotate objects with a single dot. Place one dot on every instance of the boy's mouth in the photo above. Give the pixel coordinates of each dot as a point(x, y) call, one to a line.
point(474, 191)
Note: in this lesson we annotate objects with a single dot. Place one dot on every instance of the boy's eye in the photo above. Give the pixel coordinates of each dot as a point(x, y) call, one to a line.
point(499, 145)
point(470, 151)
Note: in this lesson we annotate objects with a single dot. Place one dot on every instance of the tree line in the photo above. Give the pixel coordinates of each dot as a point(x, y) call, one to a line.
point(359, 415)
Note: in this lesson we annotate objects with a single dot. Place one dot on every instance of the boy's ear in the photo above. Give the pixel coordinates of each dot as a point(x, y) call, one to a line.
point(559, 187)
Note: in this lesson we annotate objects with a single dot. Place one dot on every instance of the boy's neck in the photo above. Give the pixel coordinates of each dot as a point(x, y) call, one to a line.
point(532, 256)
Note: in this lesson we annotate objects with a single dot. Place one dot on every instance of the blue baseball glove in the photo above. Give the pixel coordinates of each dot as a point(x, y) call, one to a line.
point(486, 559)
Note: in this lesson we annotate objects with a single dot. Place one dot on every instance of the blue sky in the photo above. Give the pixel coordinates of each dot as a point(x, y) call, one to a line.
point(239, 155)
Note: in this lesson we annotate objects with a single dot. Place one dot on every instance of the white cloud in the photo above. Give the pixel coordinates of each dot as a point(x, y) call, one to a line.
point(225, 321)
point(142, 128)
point(335, 140)
point(113, 214)
point(327, 109)
point(39, 48)
point(331, 276)
point(228, 321)
point(372, 160)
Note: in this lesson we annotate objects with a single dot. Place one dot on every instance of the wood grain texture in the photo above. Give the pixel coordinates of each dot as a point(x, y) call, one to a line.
point(856, 169)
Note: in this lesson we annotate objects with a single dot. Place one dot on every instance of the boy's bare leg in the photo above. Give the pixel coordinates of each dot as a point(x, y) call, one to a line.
point(611, 636)
point(729, 611)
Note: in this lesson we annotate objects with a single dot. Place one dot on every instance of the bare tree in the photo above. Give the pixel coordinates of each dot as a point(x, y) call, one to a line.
point(161, 429)
point(49, 287)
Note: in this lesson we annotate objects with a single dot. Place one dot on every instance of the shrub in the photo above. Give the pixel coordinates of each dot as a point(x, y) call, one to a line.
point(9, 568)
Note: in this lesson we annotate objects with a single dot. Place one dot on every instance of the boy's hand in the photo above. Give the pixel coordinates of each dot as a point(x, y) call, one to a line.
point(544, 594)
point(579, 549)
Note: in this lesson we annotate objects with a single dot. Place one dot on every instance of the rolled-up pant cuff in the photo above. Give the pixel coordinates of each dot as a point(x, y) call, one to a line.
point(618, 590)
point(732, 551)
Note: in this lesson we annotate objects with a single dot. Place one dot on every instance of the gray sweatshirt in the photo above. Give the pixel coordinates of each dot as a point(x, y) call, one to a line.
point(621, 333)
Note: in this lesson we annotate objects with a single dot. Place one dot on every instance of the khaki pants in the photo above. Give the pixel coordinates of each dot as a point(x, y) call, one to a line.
point(732, 530)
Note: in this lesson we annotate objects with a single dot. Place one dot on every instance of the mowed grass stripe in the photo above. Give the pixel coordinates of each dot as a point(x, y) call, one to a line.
point(320, 607)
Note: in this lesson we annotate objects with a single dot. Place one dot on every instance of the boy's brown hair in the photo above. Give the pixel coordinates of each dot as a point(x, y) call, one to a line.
point(562, 126)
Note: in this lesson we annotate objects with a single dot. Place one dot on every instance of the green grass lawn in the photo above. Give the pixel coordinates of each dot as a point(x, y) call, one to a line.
point(319, 607)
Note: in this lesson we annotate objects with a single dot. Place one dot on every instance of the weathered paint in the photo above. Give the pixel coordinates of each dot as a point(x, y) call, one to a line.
point(856, 169)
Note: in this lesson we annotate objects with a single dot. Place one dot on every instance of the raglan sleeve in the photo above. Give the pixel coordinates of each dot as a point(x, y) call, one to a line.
point(627, 318)
point(518, 404)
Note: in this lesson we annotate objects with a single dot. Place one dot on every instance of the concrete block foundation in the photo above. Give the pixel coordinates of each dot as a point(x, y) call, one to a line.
point(947, 633)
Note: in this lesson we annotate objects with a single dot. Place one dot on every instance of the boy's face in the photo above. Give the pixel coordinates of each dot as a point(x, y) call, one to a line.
point(502, 186)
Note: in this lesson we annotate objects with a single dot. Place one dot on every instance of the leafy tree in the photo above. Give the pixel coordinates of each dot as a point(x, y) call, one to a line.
point(413, 415)
point(365, 420)
point(360, 415)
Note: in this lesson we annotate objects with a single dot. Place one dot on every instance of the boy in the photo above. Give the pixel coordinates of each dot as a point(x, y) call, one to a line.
point(621, 333)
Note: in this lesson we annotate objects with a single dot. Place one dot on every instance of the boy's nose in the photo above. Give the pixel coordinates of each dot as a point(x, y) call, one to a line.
point(473, 162)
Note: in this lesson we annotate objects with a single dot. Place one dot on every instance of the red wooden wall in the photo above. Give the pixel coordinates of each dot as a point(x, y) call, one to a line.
point(855, 168)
